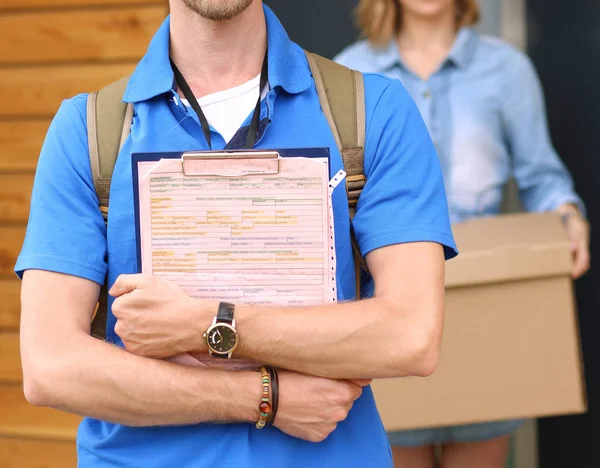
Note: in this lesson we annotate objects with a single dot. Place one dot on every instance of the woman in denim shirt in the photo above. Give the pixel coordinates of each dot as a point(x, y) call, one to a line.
point(483, 105)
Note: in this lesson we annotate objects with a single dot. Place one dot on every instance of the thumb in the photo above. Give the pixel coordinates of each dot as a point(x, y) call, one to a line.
point(125, 284)
point(581, 263)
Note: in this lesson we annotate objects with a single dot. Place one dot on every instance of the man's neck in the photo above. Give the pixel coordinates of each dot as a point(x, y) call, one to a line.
point(217, 55)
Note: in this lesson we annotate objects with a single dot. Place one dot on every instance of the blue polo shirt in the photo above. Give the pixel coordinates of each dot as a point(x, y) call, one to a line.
point(403, 201)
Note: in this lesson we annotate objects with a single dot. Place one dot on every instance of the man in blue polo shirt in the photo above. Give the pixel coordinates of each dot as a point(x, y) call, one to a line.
point(147, 412)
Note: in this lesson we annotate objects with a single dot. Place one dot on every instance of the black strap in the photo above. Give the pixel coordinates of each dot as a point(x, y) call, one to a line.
point(225, 313)
point(189, 95)
point(274, 395)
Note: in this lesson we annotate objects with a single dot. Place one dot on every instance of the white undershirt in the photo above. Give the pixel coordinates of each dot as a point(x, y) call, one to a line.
point(227, 110)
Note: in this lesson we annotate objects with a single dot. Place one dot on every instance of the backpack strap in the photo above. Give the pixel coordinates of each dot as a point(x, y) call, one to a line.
point(342, 96)
point(108, 125)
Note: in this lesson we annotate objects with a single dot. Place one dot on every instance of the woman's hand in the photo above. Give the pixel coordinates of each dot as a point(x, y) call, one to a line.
point(578, 230)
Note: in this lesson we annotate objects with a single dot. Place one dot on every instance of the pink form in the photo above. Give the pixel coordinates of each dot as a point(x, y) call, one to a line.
point(243, 236)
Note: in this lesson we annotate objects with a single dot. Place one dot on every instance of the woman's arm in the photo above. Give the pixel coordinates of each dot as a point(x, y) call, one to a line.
point(544, 182)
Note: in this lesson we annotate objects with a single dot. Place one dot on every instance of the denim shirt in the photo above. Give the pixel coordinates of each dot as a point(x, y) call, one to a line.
point(484, 109)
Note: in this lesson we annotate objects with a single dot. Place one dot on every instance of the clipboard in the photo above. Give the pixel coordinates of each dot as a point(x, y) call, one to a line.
point(278, 203)
point(316, 153)
point(194, 164)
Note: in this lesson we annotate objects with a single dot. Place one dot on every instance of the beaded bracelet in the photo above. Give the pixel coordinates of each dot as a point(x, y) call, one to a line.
point(274, 395)
point(265, 406)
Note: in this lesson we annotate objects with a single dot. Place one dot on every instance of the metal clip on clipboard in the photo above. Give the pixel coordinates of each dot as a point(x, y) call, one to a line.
point(229, 164)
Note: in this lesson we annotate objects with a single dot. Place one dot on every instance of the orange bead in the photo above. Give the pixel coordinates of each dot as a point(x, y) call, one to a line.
point(265, 407)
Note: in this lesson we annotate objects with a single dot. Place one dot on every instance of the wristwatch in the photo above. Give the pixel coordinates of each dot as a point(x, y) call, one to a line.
point(222, 337)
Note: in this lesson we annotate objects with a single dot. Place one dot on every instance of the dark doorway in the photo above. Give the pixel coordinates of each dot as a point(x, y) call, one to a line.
point(564, 42)
point(321, 26)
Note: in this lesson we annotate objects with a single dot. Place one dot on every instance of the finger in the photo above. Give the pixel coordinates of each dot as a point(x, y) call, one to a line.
point(355, 390)
point(581, 262)
point(126, 284)
point(119, 307)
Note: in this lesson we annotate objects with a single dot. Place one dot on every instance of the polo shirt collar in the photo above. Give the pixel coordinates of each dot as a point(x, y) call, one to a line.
point(288, 67)
point(153, 75)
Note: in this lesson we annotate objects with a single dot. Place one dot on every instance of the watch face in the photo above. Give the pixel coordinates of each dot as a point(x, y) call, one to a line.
point(222, 339)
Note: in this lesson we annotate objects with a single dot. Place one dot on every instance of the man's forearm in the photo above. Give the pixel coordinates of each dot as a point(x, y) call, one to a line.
point(367, 339)
point(395, 334)
point(98, 380)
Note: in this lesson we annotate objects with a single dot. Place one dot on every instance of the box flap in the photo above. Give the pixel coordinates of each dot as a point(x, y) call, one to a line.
point(508, 248)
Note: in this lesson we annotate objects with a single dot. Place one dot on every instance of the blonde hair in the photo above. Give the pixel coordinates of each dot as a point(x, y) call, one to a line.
point(380, 20)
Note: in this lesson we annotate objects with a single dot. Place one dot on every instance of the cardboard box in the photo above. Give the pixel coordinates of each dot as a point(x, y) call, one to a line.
point(511, 340)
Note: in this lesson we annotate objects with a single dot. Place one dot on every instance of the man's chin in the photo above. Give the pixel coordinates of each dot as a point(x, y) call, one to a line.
point(218, 10)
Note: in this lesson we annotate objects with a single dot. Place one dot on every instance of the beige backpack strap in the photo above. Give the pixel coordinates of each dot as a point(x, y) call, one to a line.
point(342, 96)
point(109, 122)
point(108, 125)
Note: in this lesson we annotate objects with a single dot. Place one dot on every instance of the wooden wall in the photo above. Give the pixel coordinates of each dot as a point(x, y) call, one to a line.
point(49, 50)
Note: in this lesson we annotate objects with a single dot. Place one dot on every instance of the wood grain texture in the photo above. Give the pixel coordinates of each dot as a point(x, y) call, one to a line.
point(10, 364)
point(20, 143)
point(35, 4)
point(50, 50)
point(15, 196)
point(10, 303)
point(23, 93)
point(19, 419)
point(11, 240)
point(79, 35)
point(15, 453)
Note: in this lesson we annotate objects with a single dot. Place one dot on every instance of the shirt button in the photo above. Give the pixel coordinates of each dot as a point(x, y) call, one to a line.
point(426, 94)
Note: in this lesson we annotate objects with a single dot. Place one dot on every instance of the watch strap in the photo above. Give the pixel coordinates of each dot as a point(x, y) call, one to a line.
point(225, 313)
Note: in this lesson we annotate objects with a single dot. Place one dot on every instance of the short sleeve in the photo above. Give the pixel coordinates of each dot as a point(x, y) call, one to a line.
point(404, 198)
point(66, 232)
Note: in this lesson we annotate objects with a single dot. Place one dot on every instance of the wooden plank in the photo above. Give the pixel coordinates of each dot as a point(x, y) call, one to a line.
point(19, 419)
point(15, 196)
point(20, 143)
point(40, 90)
point(10, 303)
point(11, 240)
point(10, 358)
point(17, 453)
point(33, 4)
point(69, 36)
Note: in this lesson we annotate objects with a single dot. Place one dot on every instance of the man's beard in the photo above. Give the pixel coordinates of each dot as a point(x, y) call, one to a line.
point(218, 10)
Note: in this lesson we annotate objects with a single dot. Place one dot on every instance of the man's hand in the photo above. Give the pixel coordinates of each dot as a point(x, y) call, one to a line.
point(310, 408)
point(155, 317)
point(578, 230)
